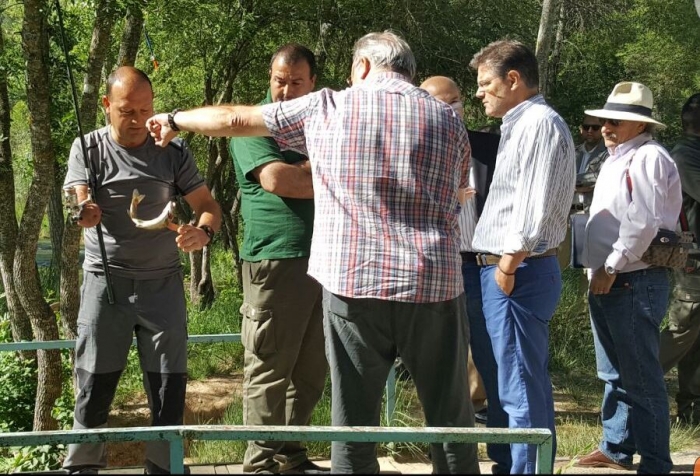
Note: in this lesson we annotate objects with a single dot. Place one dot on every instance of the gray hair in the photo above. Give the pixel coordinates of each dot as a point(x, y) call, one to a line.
point(386, 50)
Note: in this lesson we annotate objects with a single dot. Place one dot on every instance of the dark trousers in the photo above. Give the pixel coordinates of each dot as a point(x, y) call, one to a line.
point(363, 337)
point(482, 353)
point(680, 345)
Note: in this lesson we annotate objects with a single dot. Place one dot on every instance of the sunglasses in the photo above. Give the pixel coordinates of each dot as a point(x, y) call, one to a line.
point(614, 122)
point(591, 127)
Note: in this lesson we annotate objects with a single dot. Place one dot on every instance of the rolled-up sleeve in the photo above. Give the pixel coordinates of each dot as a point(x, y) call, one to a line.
point(286, 121)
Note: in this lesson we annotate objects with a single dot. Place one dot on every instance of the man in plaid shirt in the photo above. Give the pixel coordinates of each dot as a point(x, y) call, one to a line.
point(389, 166)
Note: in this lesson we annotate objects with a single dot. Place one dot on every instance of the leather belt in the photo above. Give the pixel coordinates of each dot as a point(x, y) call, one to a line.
point(486, 259)
point(578, 207)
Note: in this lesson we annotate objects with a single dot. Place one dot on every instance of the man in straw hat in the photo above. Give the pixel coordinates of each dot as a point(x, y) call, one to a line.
point(638, 192)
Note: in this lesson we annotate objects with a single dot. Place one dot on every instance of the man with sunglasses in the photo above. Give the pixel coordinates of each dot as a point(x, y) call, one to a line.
point(590, 156)
point(638, 192)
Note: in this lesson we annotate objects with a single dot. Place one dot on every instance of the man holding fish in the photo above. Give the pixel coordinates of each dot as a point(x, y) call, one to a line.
point(133, 175)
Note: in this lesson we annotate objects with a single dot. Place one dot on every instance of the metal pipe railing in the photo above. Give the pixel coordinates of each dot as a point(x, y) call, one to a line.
point(177, 435)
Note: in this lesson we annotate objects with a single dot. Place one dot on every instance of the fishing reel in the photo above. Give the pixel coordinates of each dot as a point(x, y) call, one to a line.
point(71, 204)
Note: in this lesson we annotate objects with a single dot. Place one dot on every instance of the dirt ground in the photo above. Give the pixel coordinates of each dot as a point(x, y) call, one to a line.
point(205, 402)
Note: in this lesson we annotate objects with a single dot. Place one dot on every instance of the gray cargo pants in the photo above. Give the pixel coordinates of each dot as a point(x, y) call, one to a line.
point(155, 310)
point(680, 344)
point(285, 365)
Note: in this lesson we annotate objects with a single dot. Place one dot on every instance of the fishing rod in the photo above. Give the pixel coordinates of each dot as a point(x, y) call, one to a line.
point(89, 173)
point(150, 48)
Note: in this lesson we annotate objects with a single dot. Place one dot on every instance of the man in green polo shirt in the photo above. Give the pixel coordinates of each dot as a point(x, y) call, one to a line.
point(282, 329)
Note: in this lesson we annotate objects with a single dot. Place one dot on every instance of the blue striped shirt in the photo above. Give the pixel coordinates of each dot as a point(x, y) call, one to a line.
point(529, 199)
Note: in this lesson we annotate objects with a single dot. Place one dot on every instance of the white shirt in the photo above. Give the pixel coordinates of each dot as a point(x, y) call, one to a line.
point(621, 227)
point(530, 196)
point(467, 219)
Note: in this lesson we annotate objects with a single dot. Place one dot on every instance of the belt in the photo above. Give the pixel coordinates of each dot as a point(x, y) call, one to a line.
point(485, 259)
point(578, 207)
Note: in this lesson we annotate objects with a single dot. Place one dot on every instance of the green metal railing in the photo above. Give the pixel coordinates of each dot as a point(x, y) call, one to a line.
point(177, 435)
point(193, 339)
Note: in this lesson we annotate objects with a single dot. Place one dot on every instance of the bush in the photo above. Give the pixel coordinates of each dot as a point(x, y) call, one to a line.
point(17, 386)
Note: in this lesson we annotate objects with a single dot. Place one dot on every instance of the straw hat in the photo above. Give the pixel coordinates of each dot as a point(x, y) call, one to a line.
point(628, 102)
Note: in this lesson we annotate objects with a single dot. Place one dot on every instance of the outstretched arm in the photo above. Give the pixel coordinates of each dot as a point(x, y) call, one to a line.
point(213, 121)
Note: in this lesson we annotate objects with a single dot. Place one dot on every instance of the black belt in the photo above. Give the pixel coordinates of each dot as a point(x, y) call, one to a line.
point(579, 207)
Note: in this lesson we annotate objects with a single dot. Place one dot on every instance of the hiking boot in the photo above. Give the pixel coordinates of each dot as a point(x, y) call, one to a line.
point(307, 467)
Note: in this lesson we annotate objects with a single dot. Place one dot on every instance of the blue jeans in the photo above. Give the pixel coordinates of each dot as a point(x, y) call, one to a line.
point(519, 329)
point(485, 363)
point(626, 335)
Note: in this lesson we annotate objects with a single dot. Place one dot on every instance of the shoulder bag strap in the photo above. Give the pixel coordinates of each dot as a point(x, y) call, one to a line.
point(682, 218)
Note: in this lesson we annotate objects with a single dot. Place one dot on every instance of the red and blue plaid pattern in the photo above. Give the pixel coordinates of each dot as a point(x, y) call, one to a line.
point(387, 162)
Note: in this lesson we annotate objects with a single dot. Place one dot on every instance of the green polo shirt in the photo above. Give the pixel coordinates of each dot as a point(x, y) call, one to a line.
point(275, 227)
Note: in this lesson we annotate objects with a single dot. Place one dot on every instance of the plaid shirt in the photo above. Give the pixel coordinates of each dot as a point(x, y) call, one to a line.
point(387, 161)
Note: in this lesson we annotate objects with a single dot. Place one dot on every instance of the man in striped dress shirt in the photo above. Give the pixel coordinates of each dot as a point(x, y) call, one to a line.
point(523, 221)
point(389, 167)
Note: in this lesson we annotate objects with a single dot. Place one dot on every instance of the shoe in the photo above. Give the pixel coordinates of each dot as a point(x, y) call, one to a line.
point(151, 468)
point(307, 467)
point(597, 459)
point(481, 417)
point(82, 470)
point(688, 414)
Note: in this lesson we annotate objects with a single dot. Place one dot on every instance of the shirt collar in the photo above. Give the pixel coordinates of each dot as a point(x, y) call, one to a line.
point(631, 144)
point(515, 112)
point(384, 76)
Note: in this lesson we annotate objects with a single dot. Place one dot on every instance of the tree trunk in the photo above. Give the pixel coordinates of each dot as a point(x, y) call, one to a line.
point(131, 38)
point(70, 250)
point(550, 9)
point(55, 212)
point(42, 318)
point(19, 321)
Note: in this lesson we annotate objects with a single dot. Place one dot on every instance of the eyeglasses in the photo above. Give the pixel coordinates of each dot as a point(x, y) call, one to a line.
point(591, 127)
point(613, 122)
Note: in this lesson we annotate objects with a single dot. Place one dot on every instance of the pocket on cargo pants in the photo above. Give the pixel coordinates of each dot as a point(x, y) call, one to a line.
point(257, 330)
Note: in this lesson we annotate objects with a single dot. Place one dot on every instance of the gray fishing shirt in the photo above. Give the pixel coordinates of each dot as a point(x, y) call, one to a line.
point(161, 174)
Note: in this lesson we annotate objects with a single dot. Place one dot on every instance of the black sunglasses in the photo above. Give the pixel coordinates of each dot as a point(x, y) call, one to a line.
point(613, 122)
point(591, 127)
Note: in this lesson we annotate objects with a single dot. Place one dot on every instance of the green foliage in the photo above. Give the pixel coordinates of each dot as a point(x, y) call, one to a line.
point(35, 458)
point(17, 386)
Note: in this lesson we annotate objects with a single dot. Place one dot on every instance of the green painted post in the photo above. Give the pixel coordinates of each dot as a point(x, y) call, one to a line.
point(545, 458)
point(177, 455)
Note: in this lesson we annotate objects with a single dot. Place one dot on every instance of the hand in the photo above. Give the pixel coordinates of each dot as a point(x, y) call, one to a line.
point(304, 165)
point(160, 130)
point(469, 193)
point(504, 281)
point(90, 214)
point(190, 238)
point(601, 282)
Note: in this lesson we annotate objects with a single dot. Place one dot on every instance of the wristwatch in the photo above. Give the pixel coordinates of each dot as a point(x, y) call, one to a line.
point(171, 120)
point(208, 230)
point(610, 271)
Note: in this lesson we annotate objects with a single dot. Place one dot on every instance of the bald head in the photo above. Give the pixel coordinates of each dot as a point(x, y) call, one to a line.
point(446, 90)
point(129, 78)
